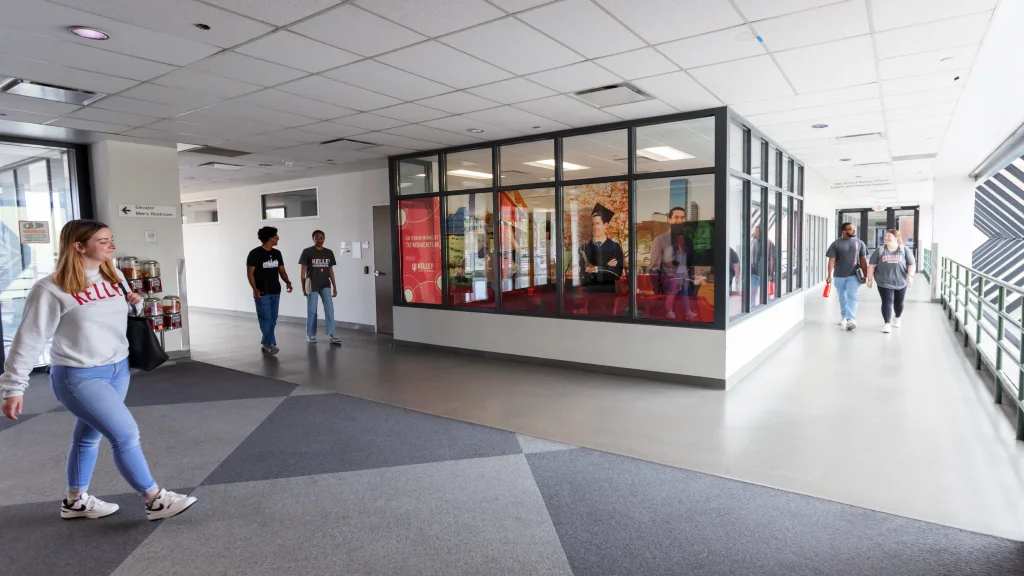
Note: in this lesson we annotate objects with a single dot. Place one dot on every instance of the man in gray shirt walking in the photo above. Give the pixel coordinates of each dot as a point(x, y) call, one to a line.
point(318, 281)
point(846, 257)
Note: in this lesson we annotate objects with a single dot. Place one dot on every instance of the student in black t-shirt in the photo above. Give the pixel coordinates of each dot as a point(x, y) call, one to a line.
point(265, 265)
point(318, 283)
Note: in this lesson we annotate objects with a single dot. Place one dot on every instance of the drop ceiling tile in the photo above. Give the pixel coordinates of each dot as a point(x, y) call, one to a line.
point(817, 114)
point(61, 75)
point(384, 139)
point(658, 21)
point(295, 134)
point(761, 9)
point(582, 26)
point(636, 110)
point(50, 19)
point(946, 59)
point(165, 95)
point(933, 36)
point(940, 121)
point(370, 122)
point(318, 153)
point(35, 105)
point(825, 24)
point(22, 116)
point(112, 117)
point(287, 102)
point(186, 79)
point(247, 69)
point(889, 15)
point(513, 46)
point(387, 150)
point(515, 119)
point(678, 90)
point(387, 80)
point(433, 17)
point(349, 145)
point(245, 147)
point(238, 109)
point(214, 120)
point(744, 80)
point(445, 65)
point(461, 125)
point(713, 48)
point(849, 62)
point(638, 64)
point(851, 94)
point(356, 30)
point(942, 109)
point(575, 77)
point(290, 49)
point(512, 91)
point(337, 93)
point(927, 98)
point(458, 103)
point(925, 82)
point(409, 112)
point(14, 42)
point(513, 6)
point(568, 110)
point(178, 18)
point(199, 129)
point(333, 129)
point(79, 124)
point(279, 12)
point(166, 136)
point(270, 141)
point(429, 134)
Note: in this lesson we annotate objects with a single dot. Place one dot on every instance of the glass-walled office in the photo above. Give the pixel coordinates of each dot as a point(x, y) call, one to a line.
point(685, 220)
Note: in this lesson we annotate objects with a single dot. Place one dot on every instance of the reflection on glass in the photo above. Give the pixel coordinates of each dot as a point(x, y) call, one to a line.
point(418, 176)
point(469, 170)
point(595, 234)
point(773, 249)
point(756, 157)
point(528, 163)
point(798, 244)
point(762, 262)
point(877, 225)
point(786, 167)
point(199, 212)
point(784, 247)
point(737, 251)
point(470, 249)
point(419, 245)
point(773, 165)
point(799, 186)
point(291, 204)
point(737, 139)
point(676, 145)
point(594, 155)
point(675, 248)
point(529, 280)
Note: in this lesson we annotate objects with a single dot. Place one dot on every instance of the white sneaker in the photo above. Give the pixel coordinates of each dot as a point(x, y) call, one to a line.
point(273, 350)
point(851, 325)
point(887, 329)
point(843, 323)
point(168, 504)
point(87, 506)
point(335, 340)
point(897, 322)
point(670, 315)
point(311, 339)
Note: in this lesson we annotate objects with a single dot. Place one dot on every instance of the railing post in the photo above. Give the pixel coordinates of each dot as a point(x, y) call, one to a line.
point(977, 327)
point(999, 344)
point(956, 297)
point(1020, 389)
point(943, 279)
point(967, 306)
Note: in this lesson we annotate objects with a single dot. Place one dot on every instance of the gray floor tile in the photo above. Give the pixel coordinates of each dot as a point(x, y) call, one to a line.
point(471, 517)
point(39, 397)
point(183, 443)
point(188, 382)
point(620, 516)
point(6, 422)
point(533, 445)
point(336, 433)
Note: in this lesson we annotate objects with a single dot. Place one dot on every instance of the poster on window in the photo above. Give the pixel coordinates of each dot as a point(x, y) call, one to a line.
point(34, 231)
point(419, 236)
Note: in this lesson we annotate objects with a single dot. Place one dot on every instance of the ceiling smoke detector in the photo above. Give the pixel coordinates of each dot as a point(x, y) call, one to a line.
point(613, 95)
point(50, 92)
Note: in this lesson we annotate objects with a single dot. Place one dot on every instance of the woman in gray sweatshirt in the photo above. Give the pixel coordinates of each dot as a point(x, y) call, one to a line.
point(84, 307)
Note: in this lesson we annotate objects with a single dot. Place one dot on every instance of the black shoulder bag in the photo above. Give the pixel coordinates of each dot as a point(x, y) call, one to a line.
point(144, 350)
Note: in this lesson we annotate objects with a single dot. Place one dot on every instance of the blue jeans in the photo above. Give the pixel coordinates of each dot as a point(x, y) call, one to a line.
point(266, 312)
point(96, 397)
point(847, 288)
point(755, 290)
point(311, 302)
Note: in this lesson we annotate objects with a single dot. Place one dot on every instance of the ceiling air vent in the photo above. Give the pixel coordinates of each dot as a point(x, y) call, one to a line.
point(871, 164)
point(868, 137)
point(613, 95)
point(913, 157)
point(221, 166)
point(51, 92)
point(214, 151)
point(348, 140)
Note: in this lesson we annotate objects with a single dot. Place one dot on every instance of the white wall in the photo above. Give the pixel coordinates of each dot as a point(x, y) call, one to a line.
point(820, 200)
point(747, 340)
point(216, 253)
point(953, 218)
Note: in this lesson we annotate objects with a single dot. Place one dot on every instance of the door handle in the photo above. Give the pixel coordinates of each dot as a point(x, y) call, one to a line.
point(378, 273)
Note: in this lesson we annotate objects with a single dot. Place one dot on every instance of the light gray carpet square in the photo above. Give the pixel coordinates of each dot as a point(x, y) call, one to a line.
point(183, 443)
point(534, 445)
point(39, 397)
point(471, 517)
point(303, 390)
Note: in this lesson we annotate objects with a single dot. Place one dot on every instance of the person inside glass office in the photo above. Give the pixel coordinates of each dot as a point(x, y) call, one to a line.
point(756, 273)
point(672, 262)
point(601, 261)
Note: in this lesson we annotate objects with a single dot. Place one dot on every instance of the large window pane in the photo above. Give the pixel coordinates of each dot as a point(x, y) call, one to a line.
point(594, 155)
point(529, 280)
point(761, 262)
point(291, 204)
point(418, 176)
point(737, 139)
point(773, 166)
point(470, 170)
point(596, 244)
point(756, 157)
point(737, 227)
point(470, 249)
point(419, 242)
point(528, 163)
point(784, 247)
point(799, 175)
point(675, 248)
point(773, 247)
point(787, 167)
point(798, 244)
point(199, 212)
point(676, 146)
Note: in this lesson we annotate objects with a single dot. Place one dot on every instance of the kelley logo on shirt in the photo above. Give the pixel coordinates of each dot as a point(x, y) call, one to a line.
point(102, 292)
point(320, 262)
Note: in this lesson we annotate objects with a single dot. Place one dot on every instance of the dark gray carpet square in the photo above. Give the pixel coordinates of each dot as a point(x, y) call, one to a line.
point(6, 422)
point(618, 516)
point(186, 382)
point(335, 433)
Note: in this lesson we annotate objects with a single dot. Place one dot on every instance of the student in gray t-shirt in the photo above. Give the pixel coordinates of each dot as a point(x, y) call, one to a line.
point(845, 257)
point(318, 280)
point(892, 267)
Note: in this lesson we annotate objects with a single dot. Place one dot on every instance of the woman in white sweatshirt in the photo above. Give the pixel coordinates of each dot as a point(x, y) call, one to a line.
point(84, 307)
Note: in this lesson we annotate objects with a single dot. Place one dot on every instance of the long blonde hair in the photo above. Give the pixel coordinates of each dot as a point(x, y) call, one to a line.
point(896, 233)
point(70, 273)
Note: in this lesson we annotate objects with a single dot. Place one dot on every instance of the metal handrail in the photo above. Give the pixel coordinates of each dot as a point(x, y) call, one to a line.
point(962, 296)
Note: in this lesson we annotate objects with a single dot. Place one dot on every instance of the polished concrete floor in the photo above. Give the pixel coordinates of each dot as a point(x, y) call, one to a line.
point(898, 423)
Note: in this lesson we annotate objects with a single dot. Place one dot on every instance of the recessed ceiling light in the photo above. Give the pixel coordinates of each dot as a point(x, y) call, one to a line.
point(551, 164)
point(471, 174)
point(202, 26)
point(266, 165)
point(663, 154)
point(289, 163)
point(819, 126)
point(89, 33)
point(475, 130)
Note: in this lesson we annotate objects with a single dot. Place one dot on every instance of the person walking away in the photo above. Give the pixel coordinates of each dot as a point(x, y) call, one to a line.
point(318, 283)
point(265, 266)
point(83, 306)
point(892, 267)
point(846, 257)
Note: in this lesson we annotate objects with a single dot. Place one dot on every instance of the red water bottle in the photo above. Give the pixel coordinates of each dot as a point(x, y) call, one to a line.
point(827, 291)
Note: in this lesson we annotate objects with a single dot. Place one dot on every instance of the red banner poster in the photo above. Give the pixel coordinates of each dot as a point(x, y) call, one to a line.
point(419, 235)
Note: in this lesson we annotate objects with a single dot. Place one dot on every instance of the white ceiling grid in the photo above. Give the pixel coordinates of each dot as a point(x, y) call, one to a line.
point(276, 77)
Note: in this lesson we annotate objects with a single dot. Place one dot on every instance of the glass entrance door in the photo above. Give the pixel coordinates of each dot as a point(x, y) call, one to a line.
point(872, 224)
point(36, 200)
